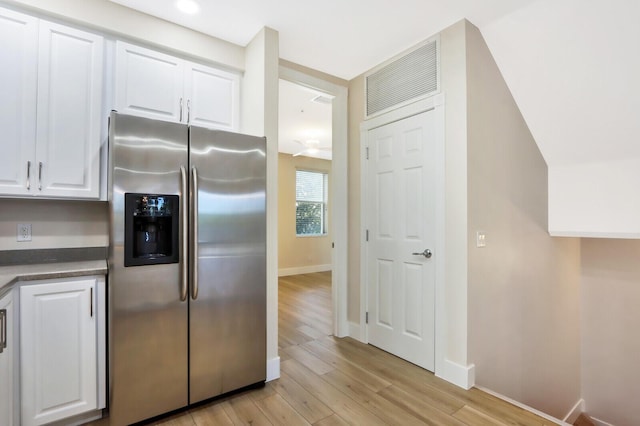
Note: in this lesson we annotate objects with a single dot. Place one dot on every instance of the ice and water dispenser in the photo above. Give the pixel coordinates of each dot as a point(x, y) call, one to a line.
point(151, 229)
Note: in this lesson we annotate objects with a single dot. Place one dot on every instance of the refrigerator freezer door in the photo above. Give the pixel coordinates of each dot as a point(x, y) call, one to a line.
point(228, 315)
point(148, 342)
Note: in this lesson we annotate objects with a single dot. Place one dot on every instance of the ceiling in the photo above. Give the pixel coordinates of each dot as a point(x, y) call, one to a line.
point(302, 119)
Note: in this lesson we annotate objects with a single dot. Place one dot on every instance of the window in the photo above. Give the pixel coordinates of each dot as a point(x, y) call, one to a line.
point(311, 203)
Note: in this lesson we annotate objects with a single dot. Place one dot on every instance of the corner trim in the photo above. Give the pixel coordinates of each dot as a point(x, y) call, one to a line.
point(575, 412)
point(273, 369)
point(459, 375)
point(599, 422)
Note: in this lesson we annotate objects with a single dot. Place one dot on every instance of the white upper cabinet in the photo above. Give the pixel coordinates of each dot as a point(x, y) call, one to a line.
point(51, 98)
point(155, 85)
point(148, 83)
point(212, 97)
point(69, 112)
point(18, 74)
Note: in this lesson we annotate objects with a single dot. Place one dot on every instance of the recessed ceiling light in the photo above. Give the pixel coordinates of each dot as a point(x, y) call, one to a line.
point(189, 7)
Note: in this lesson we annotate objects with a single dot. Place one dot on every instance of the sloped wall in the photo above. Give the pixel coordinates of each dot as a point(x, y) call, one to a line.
point(523, 287)
point(572, 67)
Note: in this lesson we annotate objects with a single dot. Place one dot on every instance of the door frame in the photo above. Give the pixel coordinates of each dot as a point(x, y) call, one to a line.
point(435, 103)
point(338, 197)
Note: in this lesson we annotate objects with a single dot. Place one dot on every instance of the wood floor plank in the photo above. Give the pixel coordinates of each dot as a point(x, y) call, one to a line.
point(419, 405)
point(332, 420)
point(378, 405)
point(182, 419)
point(279, 412)
point(310, 407)
point(243, 411)
point(341, 404)
point(404, 376)
point(473, 417)
point(261, 393)
point(309, 360)
point(210, 415)
point(348, 367)
point(311, 332)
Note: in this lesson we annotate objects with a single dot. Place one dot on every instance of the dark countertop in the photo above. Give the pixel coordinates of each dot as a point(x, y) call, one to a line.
point(32, 265)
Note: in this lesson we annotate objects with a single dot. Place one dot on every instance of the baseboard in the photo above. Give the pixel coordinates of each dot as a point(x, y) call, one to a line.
point(273, 369)
point(459, 375)
point(284, 272)
point(599, 422)
point(524, 406)
point(355, 331)
point(575, 412)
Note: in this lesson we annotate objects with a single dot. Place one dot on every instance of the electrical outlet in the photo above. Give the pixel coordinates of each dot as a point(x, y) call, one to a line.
point(24, 232)
point(481, 239)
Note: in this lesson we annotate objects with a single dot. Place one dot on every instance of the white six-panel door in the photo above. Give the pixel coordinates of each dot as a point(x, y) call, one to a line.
point(401, 222)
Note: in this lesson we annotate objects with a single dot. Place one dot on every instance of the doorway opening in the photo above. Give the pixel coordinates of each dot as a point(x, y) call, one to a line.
point(312, 209)
point(305, 231)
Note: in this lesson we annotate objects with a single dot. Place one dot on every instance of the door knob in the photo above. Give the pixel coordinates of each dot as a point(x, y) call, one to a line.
point(426, 253)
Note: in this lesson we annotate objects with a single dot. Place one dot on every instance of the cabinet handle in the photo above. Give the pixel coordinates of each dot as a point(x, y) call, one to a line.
point(180, 109)
point(3, 330)
point(188, 111)
point(28, 175)
point(91, 302)
point(40, 176)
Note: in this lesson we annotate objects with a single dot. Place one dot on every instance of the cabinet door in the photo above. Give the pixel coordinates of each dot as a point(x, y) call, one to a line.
point(69, 112)
point(18, 50)
point(148, 83)
point(58, 350)
point(6, 361)
point(212, 97)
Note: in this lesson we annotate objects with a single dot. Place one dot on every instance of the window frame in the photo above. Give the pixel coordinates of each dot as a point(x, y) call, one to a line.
point(324, 222)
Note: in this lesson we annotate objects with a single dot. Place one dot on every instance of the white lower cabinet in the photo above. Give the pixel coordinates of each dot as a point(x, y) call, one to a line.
point(61, 354)
point(7, 367)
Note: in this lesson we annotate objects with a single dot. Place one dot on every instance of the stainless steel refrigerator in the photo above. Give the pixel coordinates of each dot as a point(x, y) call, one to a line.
point(187, 266)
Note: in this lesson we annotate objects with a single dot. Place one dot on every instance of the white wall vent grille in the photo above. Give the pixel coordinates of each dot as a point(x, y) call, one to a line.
point(409, 77)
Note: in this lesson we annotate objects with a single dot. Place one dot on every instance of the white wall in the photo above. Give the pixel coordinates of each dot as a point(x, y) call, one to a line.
point(54, 224)
point(259, 116)
point(610, 322)
point(572, 66)
point(454, 87)
point(356, 115)
point(524, 300)
point(595, 199)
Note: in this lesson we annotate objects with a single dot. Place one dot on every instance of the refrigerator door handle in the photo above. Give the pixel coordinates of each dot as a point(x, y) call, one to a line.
point(184, 267)
point(194, 233)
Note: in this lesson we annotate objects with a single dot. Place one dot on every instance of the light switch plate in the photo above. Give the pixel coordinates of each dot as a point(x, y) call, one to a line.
point(24, 232)
point(481, 239)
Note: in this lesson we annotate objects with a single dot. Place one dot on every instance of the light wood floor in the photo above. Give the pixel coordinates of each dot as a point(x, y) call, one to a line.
point(329, 381)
